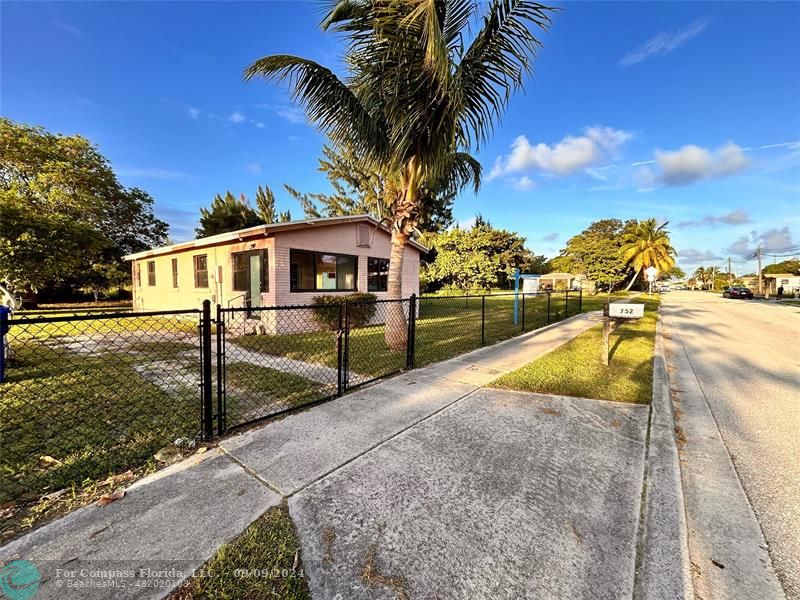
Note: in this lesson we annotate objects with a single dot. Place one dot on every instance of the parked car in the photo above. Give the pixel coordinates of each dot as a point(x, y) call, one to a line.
point(738, 292)
point(679, 286)
point(663, 289)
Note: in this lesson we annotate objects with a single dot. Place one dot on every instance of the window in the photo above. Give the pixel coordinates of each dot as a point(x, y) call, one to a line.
point(377, 274)
point(174, 272)
point(363, 236)
point(250, 271)
point(151, 272)
point(137, 269)
point(201, 271)
point(318, 271)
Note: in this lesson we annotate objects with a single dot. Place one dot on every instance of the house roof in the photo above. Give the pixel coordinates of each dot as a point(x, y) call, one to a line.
point(558, 276)
point(264, 230)
point(779, 275)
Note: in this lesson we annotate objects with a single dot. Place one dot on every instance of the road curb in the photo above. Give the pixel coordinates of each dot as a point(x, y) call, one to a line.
point(728, 552)
point(663, 566)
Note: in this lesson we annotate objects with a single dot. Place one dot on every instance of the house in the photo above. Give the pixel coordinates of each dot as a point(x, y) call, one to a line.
point(272, 265)
point(790, 283)
point(561, 281)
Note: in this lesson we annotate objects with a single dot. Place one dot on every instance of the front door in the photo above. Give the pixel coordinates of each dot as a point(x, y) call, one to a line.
point(255, 277)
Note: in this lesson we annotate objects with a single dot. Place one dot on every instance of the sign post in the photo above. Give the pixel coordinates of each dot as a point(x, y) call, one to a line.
point(615, 313)
point(651, 273)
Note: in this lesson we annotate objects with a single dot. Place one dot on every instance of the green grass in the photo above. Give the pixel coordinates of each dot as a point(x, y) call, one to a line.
point(263, 563)
point(253, 391)
point(158, 325)
point(67, 418)
point(576, 369)
point(446, 327)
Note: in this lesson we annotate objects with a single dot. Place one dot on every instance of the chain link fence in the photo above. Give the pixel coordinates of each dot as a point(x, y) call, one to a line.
point(87, 395)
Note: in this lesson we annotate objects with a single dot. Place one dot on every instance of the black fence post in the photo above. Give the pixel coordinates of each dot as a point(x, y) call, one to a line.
point(346, 349)
point(523, 312)
point(483, 320)
point(4, 310)
point(566, 303)
point(339, 352)
point(222, 408)
point(580, 300)
point(205, 341)
point(411, 338)
point(548, 307)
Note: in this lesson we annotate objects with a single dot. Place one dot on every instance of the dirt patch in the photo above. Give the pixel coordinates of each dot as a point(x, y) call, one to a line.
point(328, 538)
point(550, 411)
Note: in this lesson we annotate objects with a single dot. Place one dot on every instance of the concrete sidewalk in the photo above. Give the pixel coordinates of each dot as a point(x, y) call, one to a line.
point(169, 524)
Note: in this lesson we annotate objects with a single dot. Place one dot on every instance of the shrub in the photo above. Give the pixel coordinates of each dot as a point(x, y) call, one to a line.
point(361, 309)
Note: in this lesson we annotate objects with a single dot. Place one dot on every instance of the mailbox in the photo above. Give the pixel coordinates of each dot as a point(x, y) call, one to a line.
point(626, 310)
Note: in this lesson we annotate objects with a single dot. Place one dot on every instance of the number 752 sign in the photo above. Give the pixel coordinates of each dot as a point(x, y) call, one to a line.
point(626, 310)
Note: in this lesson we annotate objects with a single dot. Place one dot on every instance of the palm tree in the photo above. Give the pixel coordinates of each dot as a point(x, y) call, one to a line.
point(701, 275)
point(647, 245)
point(417, 99)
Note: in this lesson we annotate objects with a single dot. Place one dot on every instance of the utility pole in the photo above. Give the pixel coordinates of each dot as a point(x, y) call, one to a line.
point(760, 286)
point(729, 272)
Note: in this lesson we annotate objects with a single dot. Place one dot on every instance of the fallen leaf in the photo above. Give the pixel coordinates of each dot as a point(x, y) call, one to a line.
point(120, 478)
point(201, 449)
point(49, 460)
point(106, 499)
point(716, 563)
point(54, 495)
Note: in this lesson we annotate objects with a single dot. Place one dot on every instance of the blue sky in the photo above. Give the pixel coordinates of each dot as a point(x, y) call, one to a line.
point(682, 111)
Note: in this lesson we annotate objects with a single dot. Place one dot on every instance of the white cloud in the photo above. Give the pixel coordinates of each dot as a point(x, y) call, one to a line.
point(237, 117)
point(735, 217)
point(771, 240)
point(690, 256)
point(291, 114)
point(254, 168)
point(664, 43)
point(524, 183)
point(692, 163)
point(193, 112)
point(568, 156)
point(67, 27)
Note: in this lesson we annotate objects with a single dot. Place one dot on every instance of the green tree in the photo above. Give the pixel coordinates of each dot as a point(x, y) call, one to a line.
point(358, 190)
point(596, 254)
point(477, 258)
point(791, 266)
point(421, 91)
point(227, 214)
point(265, 203)
point(61, 189)
point(648, 245)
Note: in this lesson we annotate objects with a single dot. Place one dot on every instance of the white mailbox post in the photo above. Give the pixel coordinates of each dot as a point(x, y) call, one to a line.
point(616, 313)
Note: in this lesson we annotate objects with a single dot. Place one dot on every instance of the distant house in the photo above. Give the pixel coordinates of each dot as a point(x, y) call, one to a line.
point(272, 265)
point(789, 282)
point(561, 281)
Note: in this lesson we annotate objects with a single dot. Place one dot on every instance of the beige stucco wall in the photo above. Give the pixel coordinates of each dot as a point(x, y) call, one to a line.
point(337, 239)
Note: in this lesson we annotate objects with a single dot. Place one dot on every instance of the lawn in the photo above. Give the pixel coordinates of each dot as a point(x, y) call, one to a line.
point(65, 325)
point(576, 369)
point(264, 562)
point(69, 418)
point(253, 391)
point(446, 327)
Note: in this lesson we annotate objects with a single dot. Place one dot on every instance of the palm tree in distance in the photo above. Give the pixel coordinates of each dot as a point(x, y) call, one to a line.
point(422, 91)
point(648, 245)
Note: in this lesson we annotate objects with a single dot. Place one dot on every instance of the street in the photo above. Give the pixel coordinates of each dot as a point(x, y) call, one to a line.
point(746, 357)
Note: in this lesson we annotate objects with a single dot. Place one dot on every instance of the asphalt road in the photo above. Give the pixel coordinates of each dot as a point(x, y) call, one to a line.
point(746, 356)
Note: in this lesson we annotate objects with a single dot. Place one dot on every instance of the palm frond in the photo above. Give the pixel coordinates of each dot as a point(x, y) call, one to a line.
point(497, 60)
point(327, 101)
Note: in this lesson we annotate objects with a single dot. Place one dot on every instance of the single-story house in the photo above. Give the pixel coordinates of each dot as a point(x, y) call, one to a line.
point(272, 265)
point(561, 281)
point(789, 282)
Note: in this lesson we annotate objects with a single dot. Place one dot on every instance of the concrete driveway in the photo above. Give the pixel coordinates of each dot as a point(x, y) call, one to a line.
point(501, 495)
point(744, 358)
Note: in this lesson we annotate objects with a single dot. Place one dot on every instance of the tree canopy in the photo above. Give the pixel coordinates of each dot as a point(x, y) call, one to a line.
point(791, 266)
point(480, 257)
point(228, 213)
point(64, 212)
point(596, 253)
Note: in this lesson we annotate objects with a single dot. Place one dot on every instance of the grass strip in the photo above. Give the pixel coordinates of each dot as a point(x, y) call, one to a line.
point(264, 562)
point(576, 368)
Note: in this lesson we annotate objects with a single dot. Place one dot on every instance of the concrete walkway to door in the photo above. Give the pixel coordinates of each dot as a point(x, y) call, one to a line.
point(433, 482)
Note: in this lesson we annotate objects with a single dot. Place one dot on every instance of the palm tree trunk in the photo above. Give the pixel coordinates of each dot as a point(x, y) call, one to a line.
point(396, 330)
point(635, 275)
